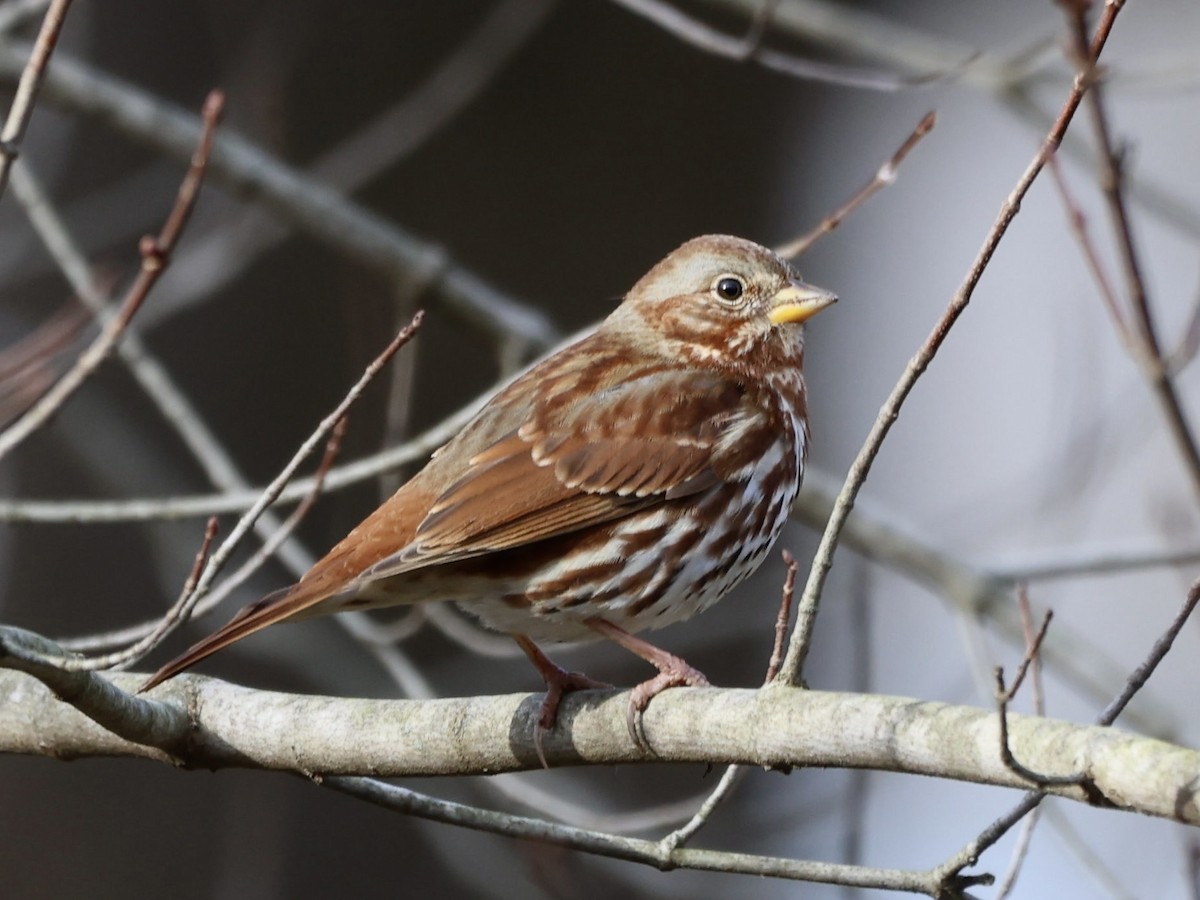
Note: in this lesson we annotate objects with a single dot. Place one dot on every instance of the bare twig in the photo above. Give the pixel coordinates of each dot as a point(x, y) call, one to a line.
point(1020, 851)
point(27, 88)
point(155, 253)
point(884, 177)
point(1004, 696)
point(1033, 646)
point(322, 431)
point(823, 560)
point(403, 800)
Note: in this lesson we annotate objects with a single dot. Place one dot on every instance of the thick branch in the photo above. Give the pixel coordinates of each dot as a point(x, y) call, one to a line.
point(232, 726)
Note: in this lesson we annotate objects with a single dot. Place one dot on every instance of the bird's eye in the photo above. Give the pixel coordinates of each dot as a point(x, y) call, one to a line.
point(729, 288)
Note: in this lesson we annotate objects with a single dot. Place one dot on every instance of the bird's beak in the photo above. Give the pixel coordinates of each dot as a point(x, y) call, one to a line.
point(798, 302)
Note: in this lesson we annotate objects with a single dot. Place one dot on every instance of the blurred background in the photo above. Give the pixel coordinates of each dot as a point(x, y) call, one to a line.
point(554, 151)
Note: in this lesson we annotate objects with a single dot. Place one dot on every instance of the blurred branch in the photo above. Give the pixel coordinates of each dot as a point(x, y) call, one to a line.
point(750, 49)
point(390, 138)
point(407, 802)
point(14, 12)
point(318, 210)
point(27, 87)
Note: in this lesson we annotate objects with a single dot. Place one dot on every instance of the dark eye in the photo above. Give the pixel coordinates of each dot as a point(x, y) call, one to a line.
point(730, 288)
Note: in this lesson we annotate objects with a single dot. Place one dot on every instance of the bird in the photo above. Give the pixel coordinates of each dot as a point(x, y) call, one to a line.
point(624, 483)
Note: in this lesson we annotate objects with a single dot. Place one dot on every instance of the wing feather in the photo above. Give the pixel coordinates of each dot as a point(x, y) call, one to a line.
point(572, 466)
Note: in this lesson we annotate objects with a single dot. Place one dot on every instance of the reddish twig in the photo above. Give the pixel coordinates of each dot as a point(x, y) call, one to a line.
point(1091, 256)
point(733, 775)
point(155, 252)
point(884, 177)
point(785, 613)
point(27, 88)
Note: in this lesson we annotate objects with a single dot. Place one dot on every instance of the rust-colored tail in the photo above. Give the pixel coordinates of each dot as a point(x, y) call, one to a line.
point(275, 607)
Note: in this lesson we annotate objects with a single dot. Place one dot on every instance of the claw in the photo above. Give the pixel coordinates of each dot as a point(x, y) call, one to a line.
point(559, 681)
point(676, 673)
point(672, 672)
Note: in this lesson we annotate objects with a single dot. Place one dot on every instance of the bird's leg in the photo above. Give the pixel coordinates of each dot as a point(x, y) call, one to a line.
point(672, 672)
point(558, 682)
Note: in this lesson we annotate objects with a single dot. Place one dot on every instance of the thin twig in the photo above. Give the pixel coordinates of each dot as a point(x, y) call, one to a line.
point(1079, 228)
point(27, 88)
point(885, 176)
point(326, 426)
point(785, 613)
point(155, 253)
point(1004, 696)
point(403, 800)
point(145, 509)
point(1032, 648)
point(1020, 852)
point(890, 411)
point(1139, 676)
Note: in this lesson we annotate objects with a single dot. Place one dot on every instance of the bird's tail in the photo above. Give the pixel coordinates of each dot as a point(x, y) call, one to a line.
point(275, 607)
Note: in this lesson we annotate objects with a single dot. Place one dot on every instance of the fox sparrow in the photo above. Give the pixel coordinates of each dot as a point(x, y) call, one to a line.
point(625, 483)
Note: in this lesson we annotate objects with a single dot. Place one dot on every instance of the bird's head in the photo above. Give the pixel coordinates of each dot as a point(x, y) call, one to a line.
point(721, 300)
